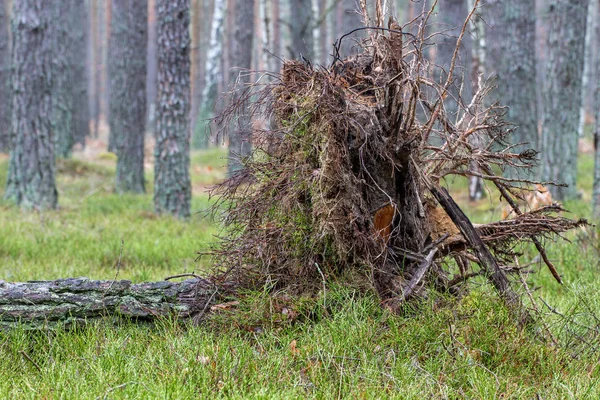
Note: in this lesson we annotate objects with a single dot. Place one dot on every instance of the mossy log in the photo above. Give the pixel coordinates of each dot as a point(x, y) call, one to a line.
point(38, 304)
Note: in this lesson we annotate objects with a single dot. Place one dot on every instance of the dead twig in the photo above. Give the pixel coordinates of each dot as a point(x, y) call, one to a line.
point(30, 360)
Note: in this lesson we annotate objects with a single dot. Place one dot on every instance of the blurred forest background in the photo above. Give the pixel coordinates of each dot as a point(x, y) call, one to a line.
point(137, 77)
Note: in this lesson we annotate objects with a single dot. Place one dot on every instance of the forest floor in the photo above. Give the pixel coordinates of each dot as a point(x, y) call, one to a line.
point(338, 344)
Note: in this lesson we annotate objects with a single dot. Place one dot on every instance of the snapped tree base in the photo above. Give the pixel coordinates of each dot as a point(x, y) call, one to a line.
point(39, 304)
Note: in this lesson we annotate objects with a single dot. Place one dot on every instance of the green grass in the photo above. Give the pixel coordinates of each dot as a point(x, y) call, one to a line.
point(83, 237)
point(338, 344)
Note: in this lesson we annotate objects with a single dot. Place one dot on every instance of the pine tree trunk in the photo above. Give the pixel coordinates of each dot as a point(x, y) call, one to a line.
point(513, 59)
point(102, 11)
point(348, 20)
point(31, 181)
point(5, 77)
point(79, 53)
point(172, 187)
point(587, 67)
point(95, 66)
point(276, 66)
point(478, 72)
point(325, 12)
point(414, 9)
point(453, 14)
point(127, 71)
point(239, 135)
point(596, 194)
point(151, 68)
point(301, 32)
point(62, 71)
point(198, 52)
point(257, 49)
point(106, 5)
point(562, 95)
point(594, 59)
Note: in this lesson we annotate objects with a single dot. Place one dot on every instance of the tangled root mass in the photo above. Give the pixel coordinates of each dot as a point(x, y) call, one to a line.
point(345, 177)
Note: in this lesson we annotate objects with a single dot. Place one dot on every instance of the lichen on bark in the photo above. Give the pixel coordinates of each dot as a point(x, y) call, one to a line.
point(31, 181)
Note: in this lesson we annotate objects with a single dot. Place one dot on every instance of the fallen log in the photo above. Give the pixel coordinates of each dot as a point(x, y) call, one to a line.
point(39, 304)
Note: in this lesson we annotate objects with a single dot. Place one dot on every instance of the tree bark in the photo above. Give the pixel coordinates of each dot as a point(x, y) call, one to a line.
point(301, 32)
point(453, 14)
point(212, 69)
point(5, 77)
point(31, 182)
point(478, 73)
point(587, 67)
point(62, 74)
point(324, 19)
point(172, 186)
point(127, 65)
point(103, 16)
point(101, 68)
point(151, 61)
point(562, 95)
point(276, 67)
point(513, 59)
point(596, 193)
point(106, 5)
point(239, 136)
point(265, 22)
point(40, 304)
point(198, 57)
point(348, 19)
point(79, 54)
point(95, 62)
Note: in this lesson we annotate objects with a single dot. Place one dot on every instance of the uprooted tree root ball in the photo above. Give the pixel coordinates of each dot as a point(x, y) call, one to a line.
point(347, 178)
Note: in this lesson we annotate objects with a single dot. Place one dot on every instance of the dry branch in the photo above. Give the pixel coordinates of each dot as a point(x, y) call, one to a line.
point(486, 259)
point(531, 225)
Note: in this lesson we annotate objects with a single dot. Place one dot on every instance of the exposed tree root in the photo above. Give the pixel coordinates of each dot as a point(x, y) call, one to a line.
point(348, 177)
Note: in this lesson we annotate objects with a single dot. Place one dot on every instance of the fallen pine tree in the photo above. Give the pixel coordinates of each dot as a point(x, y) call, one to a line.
point(347, 178)
point(40, 304)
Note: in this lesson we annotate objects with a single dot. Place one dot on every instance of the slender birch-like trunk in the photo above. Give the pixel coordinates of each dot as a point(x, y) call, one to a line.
point(213, 60)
